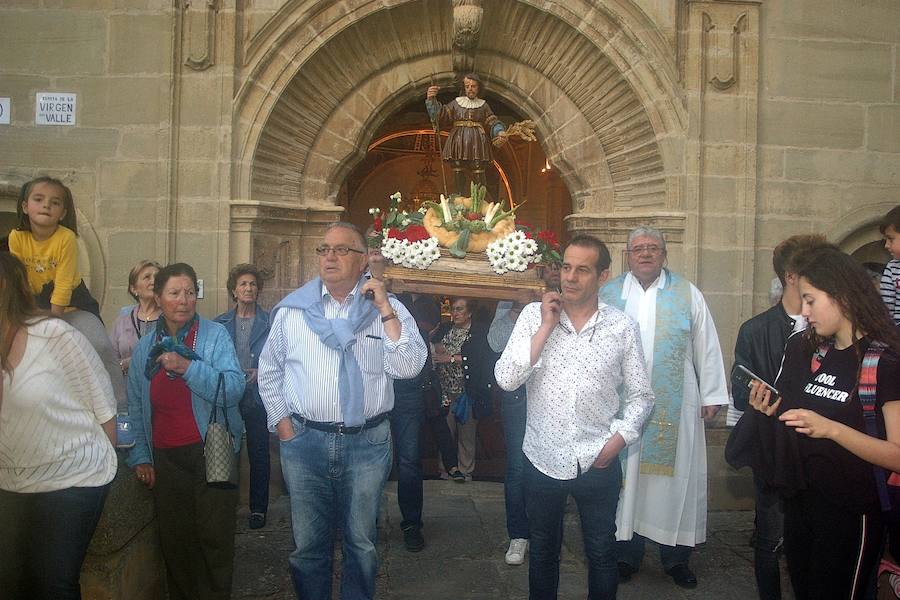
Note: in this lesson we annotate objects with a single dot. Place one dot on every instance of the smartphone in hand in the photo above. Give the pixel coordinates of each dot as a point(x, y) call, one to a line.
point(741, 375)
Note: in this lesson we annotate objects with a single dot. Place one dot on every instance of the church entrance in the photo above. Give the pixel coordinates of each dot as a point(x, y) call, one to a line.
point(329, 126)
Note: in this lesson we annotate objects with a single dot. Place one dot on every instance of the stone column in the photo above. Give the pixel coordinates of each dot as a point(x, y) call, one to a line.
point(280, 240)
point(721, 69)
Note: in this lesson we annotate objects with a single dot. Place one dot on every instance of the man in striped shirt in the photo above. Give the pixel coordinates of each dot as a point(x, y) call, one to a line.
point(326, 379)
point(890, 279)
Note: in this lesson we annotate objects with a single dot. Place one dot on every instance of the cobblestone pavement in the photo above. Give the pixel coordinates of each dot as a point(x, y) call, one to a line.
point(465, 535)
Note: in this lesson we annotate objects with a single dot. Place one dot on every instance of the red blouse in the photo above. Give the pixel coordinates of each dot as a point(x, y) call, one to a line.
point(173, 419)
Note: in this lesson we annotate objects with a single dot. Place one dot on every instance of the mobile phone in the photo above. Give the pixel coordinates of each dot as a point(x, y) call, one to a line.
point(744, 376)
point(124, 432)
point(369, 295)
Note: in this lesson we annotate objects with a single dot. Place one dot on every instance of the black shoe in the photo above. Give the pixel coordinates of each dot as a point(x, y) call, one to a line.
point(413, 539)
point(457, 476)
point(256, 520)
point(683, 576)
point(625, 571)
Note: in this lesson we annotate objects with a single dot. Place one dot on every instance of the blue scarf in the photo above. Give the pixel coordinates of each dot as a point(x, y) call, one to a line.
point(340, 335)
point(163, 342)
point(671, 339)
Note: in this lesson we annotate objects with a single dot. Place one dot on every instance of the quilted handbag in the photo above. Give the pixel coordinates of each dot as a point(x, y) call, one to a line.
point(218, 447)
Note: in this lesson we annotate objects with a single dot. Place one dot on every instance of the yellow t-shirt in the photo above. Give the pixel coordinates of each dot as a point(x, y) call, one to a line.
point(54, 259)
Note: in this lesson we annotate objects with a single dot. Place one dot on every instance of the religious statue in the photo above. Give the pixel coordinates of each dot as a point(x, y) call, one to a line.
point(473, 127)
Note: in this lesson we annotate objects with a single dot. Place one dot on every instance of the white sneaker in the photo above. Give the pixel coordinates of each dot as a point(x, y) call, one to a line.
point(516, 553)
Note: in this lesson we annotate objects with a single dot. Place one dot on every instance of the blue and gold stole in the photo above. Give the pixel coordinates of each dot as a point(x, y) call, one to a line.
point(672, 337)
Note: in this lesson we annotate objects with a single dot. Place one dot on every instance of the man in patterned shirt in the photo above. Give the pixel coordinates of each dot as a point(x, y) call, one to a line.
point(575, 354)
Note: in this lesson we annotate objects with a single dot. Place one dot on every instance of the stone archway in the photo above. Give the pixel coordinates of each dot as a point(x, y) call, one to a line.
point(605, 100)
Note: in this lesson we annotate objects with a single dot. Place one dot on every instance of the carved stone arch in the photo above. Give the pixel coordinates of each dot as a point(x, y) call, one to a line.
point(609, 27)
point(563, 139)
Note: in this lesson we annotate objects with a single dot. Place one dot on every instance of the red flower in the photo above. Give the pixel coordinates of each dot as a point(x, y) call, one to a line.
point(378, 225)
point(548, 237)
point(393, 232)
point(473, 216)
point(416, 233)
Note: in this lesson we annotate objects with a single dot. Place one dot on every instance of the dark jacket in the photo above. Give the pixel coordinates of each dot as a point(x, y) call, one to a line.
point(760, 348)
point(478, 366)
point(258, 336)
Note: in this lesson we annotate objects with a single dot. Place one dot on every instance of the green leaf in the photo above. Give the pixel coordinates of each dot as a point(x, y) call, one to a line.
point(459, 247)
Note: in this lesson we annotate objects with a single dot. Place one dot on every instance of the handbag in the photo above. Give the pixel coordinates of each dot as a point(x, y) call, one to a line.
point(218, 447)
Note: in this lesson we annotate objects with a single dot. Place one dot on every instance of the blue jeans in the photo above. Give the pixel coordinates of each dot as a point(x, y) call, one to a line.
point(596, 493)
point(257, 452)
point(632, 552)
point(406, 423)
point(513, 409)
point(335, 481)
point(43, 541)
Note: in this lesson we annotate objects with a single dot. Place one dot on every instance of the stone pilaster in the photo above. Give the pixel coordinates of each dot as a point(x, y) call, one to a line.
point(280, 240)
point(721, 78)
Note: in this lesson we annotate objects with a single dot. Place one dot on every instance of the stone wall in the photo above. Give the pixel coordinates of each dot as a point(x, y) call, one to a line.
point(188, 136)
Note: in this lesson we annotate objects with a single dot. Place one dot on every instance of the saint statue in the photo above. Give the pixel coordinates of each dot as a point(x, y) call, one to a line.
point(473, 128)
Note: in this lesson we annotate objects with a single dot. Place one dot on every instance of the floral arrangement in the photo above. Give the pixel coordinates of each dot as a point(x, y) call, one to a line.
point(512, 253)
point(413, 239)
point(467, 224)
point(406, 242)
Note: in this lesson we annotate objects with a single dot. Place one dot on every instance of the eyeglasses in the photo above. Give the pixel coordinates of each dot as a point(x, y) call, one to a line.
point(654, 250)
point(339, 250)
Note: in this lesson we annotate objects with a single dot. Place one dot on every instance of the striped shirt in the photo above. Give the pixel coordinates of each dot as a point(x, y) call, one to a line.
point(890, 289)
point(299, 374)
point(53, 405)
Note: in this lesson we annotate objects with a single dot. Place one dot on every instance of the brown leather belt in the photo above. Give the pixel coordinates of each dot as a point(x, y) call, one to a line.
point(468, 124)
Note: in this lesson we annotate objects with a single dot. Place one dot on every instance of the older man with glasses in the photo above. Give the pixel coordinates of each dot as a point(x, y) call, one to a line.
point(664, 497)
point(326, 379)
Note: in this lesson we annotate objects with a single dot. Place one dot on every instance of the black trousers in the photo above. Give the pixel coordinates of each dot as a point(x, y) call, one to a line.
point(831, 552)
point(196, 525)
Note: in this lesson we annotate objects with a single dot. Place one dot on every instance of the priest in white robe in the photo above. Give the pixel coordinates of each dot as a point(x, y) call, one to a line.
point(664, 494)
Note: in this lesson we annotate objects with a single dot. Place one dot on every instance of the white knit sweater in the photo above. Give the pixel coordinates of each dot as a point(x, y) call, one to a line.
point(53, 405)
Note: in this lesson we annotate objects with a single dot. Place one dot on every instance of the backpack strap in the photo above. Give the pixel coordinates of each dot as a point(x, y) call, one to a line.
point(866, 389)
point(819, 355)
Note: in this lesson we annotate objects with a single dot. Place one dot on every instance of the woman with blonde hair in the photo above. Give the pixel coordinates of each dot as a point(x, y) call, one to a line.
point(133, 324)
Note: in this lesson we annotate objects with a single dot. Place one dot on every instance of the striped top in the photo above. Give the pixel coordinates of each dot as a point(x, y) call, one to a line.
point(53, 405)
point(890, 289)
point(299, 374)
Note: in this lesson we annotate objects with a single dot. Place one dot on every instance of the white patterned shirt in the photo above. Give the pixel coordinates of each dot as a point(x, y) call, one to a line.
point(53, 406)
point(299, 374)
point(574, 404)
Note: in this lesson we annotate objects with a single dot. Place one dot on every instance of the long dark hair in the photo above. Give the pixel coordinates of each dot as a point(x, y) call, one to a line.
point(17, 305)
point(849, 285)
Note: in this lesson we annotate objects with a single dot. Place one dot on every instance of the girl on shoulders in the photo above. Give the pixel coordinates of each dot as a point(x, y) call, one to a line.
point(45, 241)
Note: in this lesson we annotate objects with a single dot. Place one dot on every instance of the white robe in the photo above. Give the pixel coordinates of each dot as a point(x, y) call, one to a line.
point(672, 510)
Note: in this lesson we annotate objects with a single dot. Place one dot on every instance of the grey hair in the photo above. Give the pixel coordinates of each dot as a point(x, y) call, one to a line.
point(648, 232)
point(347, 225)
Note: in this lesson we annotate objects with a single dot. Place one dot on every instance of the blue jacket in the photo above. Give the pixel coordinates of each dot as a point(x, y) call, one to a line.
point(258, 336)
point(201, 377)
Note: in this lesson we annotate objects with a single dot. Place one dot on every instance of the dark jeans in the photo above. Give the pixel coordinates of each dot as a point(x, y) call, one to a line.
point(596, 493)
point(257, 453)
point(831, 552)
point(513, 410)
point(632, 553)
point(196, 525)
point(769, 540)
point(406, 424)
point(43, 540)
